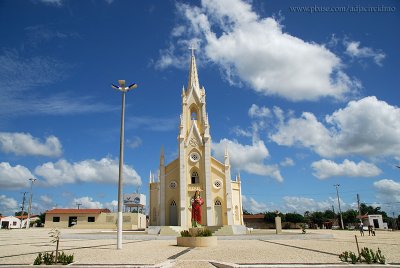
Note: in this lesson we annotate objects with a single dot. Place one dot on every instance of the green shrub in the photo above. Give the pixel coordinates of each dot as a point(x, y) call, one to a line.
point(38, 260)
point(353, 257)
point(65, 259)
point(200, 233)
point(380, 258)
point(185, 233)
point(47, 258)
point(204, 233)
point(367, 255)
point(344, 256)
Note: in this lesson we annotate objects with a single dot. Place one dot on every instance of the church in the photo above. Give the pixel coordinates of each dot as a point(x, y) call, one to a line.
point(195, 169)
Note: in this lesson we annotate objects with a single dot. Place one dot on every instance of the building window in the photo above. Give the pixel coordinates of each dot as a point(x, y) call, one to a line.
point(194, 157)
point(217, 203)
point(91, 219)
point(14, 223)
point(193, 115)
point(217, 183)
point(56, 219)
point(173, 203)
point(172, 184)
point(195, 177)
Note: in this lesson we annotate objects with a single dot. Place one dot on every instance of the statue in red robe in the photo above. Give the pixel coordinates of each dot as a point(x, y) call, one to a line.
point(197, 201)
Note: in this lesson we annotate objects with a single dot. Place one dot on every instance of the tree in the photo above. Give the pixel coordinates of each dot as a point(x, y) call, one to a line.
point(269, 217)
point(18, 213)
point(294, 217)
point(350, 216)
point(245, 212)
point(329, 214)
point(317, 217)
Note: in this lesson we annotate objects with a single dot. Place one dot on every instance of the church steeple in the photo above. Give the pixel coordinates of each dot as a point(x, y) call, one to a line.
point(193, 77)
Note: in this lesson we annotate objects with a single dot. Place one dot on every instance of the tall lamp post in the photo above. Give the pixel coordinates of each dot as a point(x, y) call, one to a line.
point(338, 199)
point(123, 89)
point(28, 220)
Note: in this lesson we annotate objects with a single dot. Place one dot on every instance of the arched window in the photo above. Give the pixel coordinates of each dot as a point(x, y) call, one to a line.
point(217, 202)
point(173, 203)
point(195, 177)
point(193, 115)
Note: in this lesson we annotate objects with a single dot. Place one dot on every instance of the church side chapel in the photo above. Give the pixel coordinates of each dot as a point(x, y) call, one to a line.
point(172, 192)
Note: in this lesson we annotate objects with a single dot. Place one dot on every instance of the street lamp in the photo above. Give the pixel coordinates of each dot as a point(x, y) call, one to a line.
point(123, 89)
point(28, 220)
point(340, 211)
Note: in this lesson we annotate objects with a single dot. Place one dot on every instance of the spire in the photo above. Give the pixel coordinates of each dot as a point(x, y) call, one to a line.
point(162, 156)
point(193, 77)
point(226, 156)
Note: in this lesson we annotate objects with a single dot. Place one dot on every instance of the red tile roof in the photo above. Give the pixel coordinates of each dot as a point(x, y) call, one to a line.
point(77, 211)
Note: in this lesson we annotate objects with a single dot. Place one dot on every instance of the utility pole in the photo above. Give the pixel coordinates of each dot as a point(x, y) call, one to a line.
point(340, 211)
point(28, 220)
point(123, 89)
point(359, 208)
point(22, 207)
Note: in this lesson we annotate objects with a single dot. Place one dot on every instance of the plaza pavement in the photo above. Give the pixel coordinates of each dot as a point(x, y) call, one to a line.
point(262, 248)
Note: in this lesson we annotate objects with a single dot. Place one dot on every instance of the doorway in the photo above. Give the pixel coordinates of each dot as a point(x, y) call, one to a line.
point(173, 215)
point(376, 223)
point(72, 221)
point(218, 213)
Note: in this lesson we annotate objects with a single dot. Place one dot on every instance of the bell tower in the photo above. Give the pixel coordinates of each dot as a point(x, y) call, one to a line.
point(194, 146)
point(195, 169)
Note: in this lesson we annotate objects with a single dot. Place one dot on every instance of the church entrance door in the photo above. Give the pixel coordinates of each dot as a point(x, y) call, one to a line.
point(218, 213)
point(173, 215)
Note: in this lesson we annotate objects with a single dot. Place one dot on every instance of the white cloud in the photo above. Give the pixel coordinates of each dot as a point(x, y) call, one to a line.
point(19, 75)
point(354, 50)
point(302, 204)
point(259, 112)
point(287, 162)
point(251, 205)
point(113, 205)
point(134, 142)
point(256, 51)
point(249, 158)
point(241, 132)
point(8, 206)
point(367, 127)
point(25, 144)
point(104, 170)
point(46, 199)
point(152, 123)
point(388, 190)
point(326, 168)
point(16, 177)
point(86, 202)
point(57, 3)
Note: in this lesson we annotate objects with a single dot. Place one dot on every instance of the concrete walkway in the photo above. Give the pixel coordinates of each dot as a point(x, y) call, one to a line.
point(96, 248)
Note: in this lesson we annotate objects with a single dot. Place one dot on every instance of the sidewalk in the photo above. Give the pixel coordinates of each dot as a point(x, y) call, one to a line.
point(317, 248)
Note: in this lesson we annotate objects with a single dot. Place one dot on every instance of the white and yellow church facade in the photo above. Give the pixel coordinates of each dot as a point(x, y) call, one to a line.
point(195, 169)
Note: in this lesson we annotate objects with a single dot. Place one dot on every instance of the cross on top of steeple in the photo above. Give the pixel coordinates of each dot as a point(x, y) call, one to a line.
point(192, 48)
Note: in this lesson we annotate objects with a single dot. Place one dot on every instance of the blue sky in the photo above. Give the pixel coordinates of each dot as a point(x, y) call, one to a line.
point(303, 93)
